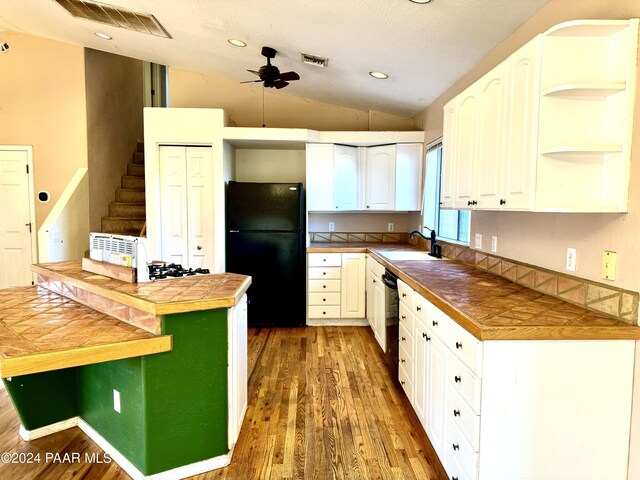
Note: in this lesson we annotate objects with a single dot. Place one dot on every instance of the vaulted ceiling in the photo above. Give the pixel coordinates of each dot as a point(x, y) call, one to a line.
point(424, 48)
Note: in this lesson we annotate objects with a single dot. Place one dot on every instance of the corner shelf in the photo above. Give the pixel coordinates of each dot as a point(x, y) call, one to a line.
point(584, 90)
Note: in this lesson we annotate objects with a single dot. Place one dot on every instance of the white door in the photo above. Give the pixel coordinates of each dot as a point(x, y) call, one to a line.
point(173, 204)
point(345, 174)
point(352, 302)
point(200, 235)
point(380, 178)
point(15, 218)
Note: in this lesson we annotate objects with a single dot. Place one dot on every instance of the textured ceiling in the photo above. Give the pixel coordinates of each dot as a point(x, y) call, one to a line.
point(423, 48)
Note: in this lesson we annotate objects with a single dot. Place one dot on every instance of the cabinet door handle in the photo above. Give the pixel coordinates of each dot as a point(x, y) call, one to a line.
point(468, 203)
point(367, 206)
point(503, 201)
point(404, 339)
point(324, 313)
point(456, 446)
point(454, 478)
point(404, 317)
point(404, 295)
point(426, 337)
point(456, 413)
point(402, 360)
point(199, 247)
point(324, 273)
point(458, 345)
point(324, 259)
point(324, 286)
point(474, 202)
point(324, 299)
point(402, 382)
point(418, 309)
point(457, 379)
point(434, 323)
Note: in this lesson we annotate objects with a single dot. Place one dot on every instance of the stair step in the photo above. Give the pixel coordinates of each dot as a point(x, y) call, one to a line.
point(130, 195)
point(138, 157)
point(132, 182)
point(140, 147)
point(122, 225)
point(135, 169)
point(127, 209)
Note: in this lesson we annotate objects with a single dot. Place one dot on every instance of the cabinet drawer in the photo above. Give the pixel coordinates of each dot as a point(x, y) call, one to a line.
point(324, 298)
point(460, 449)
point(405, 294)
point(405, 339)
point(376, 268)
point(405, 383)
point(438, 322)
point(464, 417)
point(324, 311)
point(452, 467)
point(466, 347)
point(463, 381)
point(405, 315)
point(325, 259)
point(421, 307)
point(406, 361)
point(324, 272)
point(324, 285)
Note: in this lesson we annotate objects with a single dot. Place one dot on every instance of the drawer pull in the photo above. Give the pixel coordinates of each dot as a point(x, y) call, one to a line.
point(456, 413)
point(324, 299)
point(324, 273)
point(324, 259)
point(434, 323)
point(402, 360)
point(454, 478)
point(457, 379)
point(402, 382)
point(404, 317)
point(456, 446)
point(404, 339)
point(425, 336)
point(324, 286)
point(374, 280)
point(404, 295)
point(324, 313)
point(459, 345)
point(418, 309)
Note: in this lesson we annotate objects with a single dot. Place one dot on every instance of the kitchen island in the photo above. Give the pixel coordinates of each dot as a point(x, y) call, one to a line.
point(507, 381)
point(155, 373)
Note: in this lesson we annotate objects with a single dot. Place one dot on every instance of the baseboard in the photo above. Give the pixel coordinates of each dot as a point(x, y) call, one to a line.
point(337, 322)
point(28, 435)
point(173, 474)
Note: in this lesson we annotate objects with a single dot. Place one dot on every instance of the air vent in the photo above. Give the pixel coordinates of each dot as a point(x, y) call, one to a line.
point(116, 17)
point(314, 60)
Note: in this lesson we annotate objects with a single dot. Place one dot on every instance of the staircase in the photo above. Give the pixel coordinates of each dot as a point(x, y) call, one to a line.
point(127, 215)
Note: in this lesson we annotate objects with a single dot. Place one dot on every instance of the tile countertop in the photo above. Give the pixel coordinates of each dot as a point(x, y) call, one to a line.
point(488, 306)
point(41, 331)
point(187, 294)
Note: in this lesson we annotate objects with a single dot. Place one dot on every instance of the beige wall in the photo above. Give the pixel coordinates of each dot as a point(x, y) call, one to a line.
point(114, 89)
point(42, 103)
point(257, 165)
point(542, 238)
point(358, 222)
point(243, 103)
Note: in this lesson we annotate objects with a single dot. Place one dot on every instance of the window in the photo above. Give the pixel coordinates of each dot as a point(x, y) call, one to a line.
point(450, 225)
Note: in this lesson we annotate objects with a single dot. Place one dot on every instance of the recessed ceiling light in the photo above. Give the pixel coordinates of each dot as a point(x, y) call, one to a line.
point(421, 1)
point(379, 75)
point(103, 36)
point(236, 43)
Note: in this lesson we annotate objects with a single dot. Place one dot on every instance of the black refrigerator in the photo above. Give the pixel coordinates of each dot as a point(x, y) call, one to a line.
point(266, 239)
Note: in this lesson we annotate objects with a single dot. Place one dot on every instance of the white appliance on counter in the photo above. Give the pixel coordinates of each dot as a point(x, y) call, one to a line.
point(123, 250)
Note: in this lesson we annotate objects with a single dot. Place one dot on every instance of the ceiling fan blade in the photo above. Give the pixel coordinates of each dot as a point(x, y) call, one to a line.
point(289, 76)
point(280, 84)
point(254, 72)
point(251, 81)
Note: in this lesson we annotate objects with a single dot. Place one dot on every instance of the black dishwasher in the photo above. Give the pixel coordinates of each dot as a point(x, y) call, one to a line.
point(390, 281)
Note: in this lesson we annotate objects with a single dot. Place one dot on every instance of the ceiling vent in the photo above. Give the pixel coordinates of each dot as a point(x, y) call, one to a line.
point(314, 60)
point(115, 17)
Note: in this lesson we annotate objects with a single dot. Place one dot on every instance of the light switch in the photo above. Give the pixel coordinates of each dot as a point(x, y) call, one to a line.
point(609, 260)
point(494, 243)
point(478, 241)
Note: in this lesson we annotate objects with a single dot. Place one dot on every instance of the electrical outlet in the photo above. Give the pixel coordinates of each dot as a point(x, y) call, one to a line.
point(609, 261)
point(332, 226)
point(494, 243)
point(116, 400)
point(478, 241)
point(390, 227)
point(571, 259)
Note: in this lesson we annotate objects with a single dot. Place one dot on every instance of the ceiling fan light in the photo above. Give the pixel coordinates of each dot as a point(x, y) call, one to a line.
point(103, 36)
point(379, 75)
point(236, 43)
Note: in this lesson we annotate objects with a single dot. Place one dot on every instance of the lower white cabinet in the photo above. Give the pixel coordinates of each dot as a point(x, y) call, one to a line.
point(376, 305)
point(237, 378)
point(525, 409)
point(336, 286)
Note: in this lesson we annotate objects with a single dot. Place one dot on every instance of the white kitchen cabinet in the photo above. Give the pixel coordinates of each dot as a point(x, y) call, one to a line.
point(186, 205)
point(380, 177)
point(320, 178)
point(345, 177)
point(564, 104)
point(237, 377)
point(336, 288)
point(376, 311)
point(408, 188)
point(352, 301)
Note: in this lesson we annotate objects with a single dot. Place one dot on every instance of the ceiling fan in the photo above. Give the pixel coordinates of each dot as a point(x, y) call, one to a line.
point(270, 74)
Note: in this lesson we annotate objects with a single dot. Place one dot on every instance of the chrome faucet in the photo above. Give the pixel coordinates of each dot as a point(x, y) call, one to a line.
point(436, 248)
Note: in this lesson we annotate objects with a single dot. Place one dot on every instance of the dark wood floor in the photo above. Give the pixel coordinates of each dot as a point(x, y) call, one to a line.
point(321, 406)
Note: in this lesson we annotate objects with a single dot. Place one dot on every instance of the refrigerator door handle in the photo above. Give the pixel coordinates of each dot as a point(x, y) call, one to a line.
point(234, 231)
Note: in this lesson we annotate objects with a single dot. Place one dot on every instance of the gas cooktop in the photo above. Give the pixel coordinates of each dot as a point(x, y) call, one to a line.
point(173, 270)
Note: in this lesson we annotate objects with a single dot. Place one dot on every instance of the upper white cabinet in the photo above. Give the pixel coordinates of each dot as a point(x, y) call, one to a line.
point(376, 178)
point(380, 177)
point(549, 129)
point(186, 203)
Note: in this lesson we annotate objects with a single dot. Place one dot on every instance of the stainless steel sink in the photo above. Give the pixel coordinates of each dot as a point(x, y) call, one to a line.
point(406, 255)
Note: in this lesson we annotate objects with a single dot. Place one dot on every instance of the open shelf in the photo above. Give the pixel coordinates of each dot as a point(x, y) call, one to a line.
point(584, 90)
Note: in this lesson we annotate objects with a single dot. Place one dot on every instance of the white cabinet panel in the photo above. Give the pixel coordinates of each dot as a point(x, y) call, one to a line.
point(238, 374)
point(352, 303)
point(380, 174)
point(320, 184)
point(449, 153)
point(466, 149)
point(345, 177)
point(408, 188)
point(436, 391)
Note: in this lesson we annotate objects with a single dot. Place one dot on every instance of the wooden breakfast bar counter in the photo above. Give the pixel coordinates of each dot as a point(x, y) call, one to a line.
point(155, 373)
